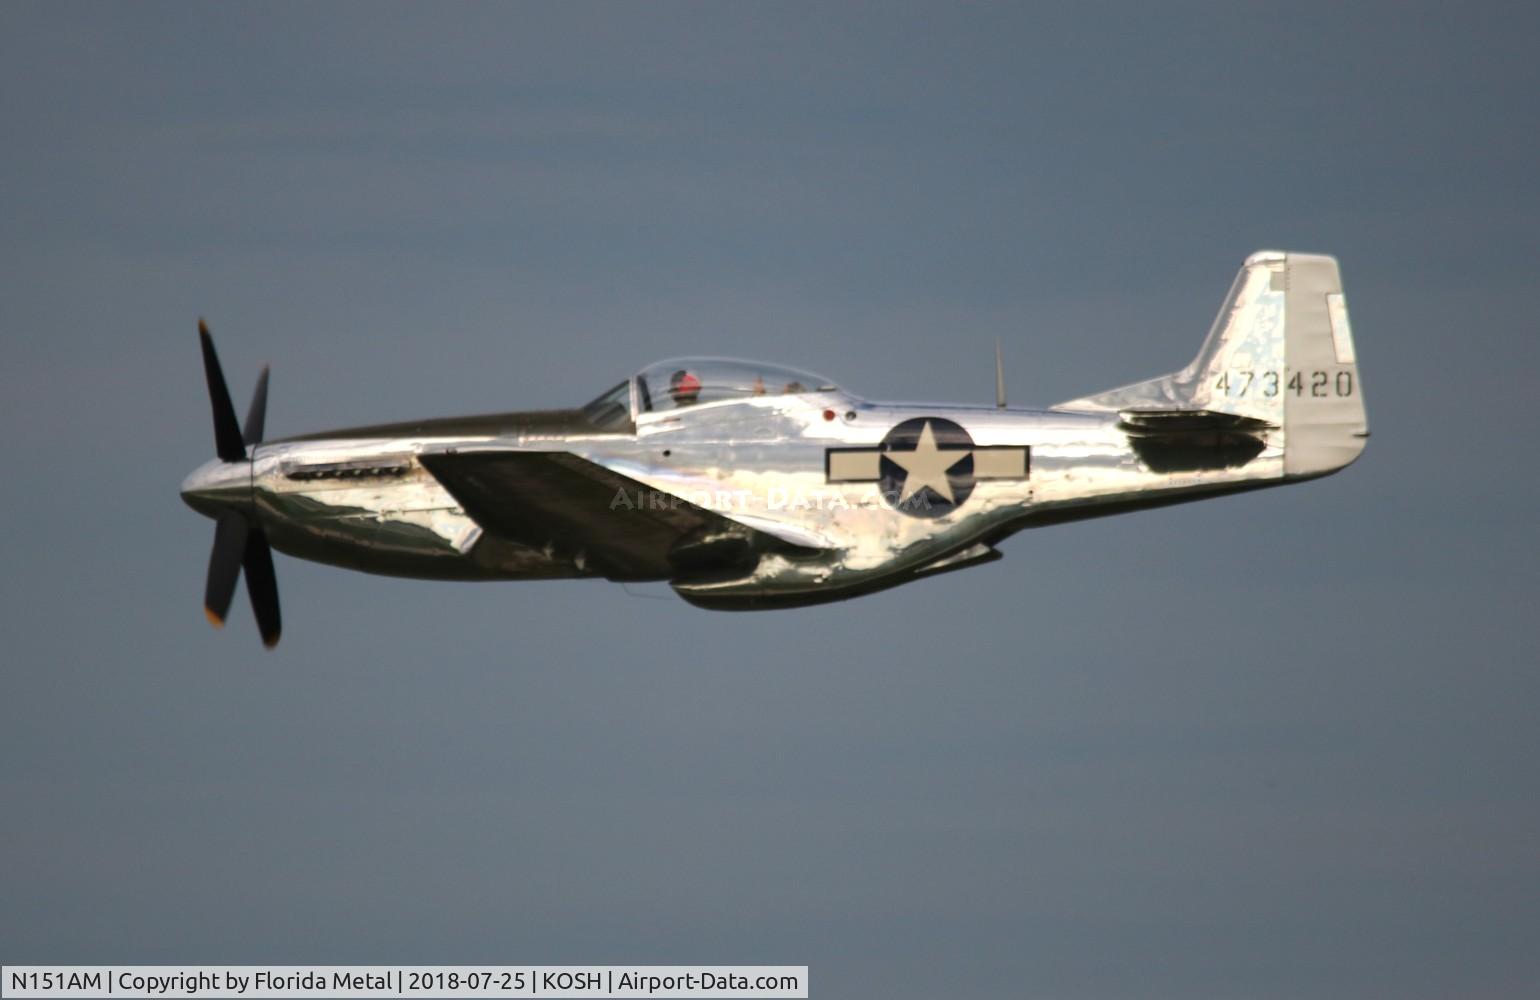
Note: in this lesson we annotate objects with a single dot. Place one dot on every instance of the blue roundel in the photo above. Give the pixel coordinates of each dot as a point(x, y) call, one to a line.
point(926, 468)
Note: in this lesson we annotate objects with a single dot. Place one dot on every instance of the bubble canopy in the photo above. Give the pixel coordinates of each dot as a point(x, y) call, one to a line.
point(679, 382)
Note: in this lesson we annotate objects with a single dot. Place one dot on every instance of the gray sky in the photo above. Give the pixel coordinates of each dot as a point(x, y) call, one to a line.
point(1110, 765)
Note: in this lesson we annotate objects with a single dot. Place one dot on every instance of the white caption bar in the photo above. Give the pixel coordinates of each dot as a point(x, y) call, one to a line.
point(201, 982)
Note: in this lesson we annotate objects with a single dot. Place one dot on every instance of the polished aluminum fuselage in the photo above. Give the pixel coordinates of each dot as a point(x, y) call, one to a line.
point(362, 500)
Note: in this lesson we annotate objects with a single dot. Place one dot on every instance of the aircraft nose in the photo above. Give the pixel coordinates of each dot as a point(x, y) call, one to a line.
point(216, 486)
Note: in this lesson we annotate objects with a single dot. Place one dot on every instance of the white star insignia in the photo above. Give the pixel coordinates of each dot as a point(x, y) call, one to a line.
point(927, 465)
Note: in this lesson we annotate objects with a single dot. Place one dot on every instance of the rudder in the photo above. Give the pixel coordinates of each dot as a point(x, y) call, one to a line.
point(1325, 424)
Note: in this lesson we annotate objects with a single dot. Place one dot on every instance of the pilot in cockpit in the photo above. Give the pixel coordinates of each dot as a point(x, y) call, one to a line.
point(683, 387)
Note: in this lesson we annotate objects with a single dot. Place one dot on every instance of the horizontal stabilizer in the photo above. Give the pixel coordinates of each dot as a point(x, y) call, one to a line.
point(1193, 440)
point(1157, 423)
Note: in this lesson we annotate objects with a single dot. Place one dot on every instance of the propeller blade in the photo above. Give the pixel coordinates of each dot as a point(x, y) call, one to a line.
point(227, 433)
point(262, 586)
point(256, 416)
point(224, 566)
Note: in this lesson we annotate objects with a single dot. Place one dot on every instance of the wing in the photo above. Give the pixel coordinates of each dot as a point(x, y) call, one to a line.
point(611, 523)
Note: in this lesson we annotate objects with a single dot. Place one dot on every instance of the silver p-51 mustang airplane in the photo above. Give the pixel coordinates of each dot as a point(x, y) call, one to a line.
point(751, 486)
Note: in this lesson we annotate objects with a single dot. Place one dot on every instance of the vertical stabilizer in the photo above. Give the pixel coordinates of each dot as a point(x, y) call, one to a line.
point(1280, 351)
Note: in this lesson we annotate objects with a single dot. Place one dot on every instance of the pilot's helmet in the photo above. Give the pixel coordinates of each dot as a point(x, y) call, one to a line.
point(684, 387)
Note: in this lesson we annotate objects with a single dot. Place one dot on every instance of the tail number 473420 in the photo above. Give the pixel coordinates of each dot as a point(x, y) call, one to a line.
point(1242, 381)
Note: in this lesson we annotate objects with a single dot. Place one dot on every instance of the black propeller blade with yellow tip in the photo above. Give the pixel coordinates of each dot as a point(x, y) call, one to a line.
point(239, 540)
